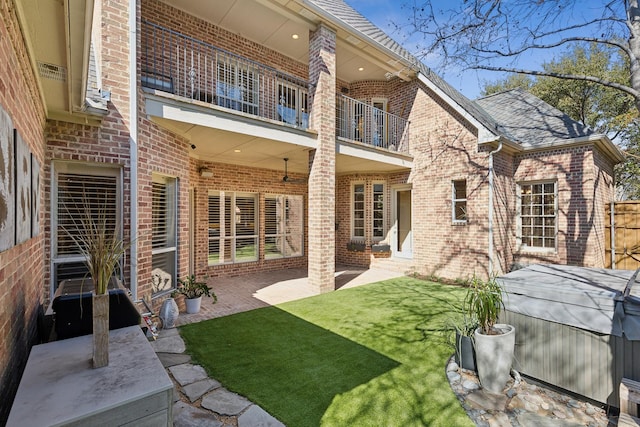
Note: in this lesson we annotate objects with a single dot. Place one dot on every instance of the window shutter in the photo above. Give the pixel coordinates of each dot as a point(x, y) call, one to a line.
point(79, 194)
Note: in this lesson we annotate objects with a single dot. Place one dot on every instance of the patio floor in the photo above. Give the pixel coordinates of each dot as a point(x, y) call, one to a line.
point(251, 291)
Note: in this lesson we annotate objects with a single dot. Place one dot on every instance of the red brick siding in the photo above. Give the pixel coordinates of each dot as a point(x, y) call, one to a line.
point(241, 179)
point(583, 189)
point(444, 146)
point(22, 266)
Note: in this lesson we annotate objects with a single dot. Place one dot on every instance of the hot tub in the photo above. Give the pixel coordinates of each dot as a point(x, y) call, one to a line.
point(576, 328)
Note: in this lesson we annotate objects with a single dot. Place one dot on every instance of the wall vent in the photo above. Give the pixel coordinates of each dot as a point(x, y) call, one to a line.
point(52, 71)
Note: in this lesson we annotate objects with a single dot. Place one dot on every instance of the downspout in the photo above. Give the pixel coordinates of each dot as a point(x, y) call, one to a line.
point(491, 189)
point(133, 143)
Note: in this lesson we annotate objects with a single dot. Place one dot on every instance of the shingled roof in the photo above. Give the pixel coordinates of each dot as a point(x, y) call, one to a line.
point(529, 121)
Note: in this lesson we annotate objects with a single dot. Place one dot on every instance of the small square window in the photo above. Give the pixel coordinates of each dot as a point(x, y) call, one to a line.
point(459, 201)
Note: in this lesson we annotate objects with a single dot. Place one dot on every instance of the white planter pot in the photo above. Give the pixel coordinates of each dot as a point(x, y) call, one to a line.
point(494, 355)
point(193, 304)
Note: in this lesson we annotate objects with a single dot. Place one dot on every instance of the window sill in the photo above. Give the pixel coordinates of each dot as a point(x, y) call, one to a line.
point(537, 251)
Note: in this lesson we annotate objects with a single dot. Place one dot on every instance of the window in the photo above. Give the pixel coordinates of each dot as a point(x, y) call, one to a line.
point(459, 201)
point(357, 227)
point(292, 105)
point(538, 215)
point(233, 227)
point(283, 218)
point(237, 86)
point(78, 189)
point(163, 239)
point(378, 212)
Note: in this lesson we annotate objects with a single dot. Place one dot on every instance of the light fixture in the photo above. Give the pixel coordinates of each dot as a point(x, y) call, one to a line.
point(361, 69)
point(237, 151)
point(295, 36)
point(205, 172)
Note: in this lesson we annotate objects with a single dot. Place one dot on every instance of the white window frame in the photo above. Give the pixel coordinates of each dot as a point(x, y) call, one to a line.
point(232, 235)
point(364, 211)
point(455, 200)
point(171, 184)
point(298, 101)
point(381, 128)
point(519, 237)
point(288, 230)
point(78, 168)
point(375, 238)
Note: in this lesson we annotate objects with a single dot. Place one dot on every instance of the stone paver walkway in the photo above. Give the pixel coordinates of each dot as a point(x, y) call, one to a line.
point(200, 400)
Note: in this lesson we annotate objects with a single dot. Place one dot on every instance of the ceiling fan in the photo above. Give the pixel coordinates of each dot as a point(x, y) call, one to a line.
point(286, 177)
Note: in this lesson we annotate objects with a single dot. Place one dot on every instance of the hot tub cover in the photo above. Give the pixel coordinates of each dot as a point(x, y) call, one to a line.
point(595, 299)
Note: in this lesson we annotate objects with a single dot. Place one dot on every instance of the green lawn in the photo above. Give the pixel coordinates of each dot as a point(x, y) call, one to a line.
point(355, 357)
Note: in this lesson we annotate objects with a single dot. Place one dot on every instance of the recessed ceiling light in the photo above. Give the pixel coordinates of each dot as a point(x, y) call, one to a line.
point(295, 36)
point(361, 69)
point(237, 151)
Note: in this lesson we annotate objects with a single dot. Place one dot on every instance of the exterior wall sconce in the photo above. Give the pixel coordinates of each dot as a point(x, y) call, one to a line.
point(205, 172)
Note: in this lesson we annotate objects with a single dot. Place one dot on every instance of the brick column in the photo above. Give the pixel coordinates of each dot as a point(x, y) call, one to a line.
point(322, 161)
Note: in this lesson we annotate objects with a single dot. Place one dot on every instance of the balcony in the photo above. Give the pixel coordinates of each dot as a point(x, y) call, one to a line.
point(364, 123)
point(194, 70)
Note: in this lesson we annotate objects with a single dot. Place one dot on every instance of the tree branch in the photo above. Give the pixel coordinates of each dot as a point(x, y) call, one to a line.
point(618, 86)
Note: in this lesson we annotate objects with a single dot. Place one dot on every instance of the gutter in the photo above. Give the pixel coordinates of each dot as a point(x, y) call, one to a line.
point(133, 144)
point(491, 190)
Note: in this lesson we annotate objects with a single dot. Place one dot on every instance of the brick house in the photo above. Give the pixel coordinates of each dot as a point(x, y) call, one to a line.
point(259, 135)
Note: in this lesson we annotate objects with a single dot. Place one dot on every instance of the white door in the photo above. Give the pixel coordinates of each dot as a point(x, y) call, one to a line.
point(402, 237)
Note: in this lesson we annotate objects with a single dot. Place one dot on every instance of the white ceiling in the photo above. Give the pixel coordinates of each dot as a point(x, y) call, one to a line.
point(273, 22)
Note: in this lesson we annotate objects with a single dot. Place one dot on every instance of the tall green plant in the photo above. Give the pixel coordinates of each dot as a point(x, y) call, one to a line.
point(484, 302)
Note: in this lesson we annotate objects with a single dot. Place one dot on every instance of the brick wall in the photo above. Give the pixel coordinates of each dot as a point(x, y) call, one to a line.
point(444, 146)
point(238, 178)
point(584, 178)
point(22, 266)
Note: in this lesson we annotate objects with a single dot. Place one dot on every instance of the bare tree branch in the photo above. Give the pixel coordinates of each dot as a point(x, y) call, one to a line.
point(614, 85)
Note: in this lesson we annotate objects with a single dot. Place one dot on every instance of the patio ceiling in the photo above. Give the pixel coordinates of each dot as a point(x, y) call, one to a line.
point(272, 23)
point(226, 137)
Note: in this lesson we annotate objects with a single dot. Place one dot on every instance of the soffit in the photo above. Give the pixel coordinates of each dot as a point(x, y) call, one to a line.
point(273, 22)
point(57, 34)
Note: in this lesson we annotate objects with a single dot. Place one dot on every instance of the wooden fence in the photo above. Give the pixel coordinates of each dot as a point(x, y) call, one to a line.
point(623, 250)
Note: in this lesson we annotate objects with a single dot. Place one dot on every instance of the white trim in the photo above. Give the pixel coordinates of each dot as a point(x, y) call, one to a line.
point(536, 249)
point(385, 206)
point(352, 211)
point(454, 220)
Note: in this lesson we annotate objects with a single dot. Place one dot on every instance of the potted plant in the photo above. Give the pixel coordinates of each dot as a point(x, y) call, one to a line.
point(494, 342)
point(463, 326)
point(95, 233)
point(193, 292)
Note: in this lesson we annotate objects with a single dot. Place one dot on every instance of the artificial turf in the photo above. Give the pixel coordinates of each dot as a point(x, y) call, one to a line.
point(355, 357)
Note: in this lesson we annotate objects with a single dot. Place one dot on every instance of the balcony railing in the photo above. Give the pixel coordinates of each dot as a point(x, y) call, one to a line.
point(190, 68)
point(357, 121)
point(181, 65)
